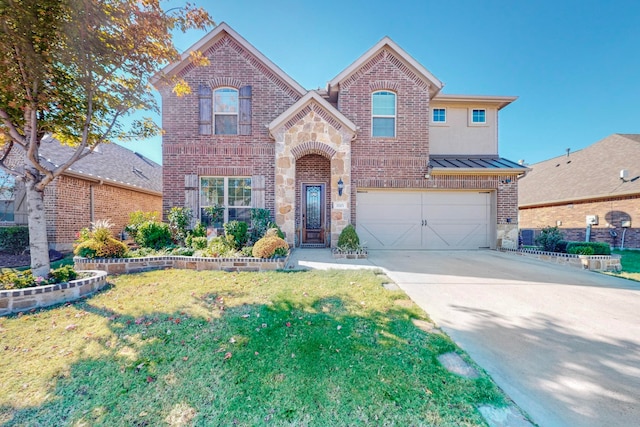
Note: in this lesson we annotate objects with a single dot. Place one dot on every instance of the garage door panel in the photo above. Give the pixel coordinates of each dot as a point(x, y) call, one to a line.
point(389, 236)
point(447, 235)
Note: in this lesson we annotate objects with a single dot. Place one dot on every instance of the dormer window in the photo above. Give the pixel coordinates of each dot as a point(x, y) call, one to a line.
point(225, 111)
point(383, 114)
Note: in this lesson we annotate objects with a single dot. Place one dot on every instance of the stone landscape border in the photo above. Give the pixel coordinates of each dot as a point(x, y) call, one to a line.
point(587, 262)
point(137, 265)
point(17, 300)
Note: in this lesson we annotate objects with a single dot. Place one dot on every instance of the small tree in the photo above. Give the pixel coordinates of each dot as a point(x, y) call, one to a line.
point(549, 239)
point(73, 69)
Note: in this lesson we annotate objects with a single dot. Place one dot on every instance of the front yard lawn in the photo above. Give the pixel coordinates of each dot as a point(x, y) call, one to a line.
point(630, 264)
point(179, 347)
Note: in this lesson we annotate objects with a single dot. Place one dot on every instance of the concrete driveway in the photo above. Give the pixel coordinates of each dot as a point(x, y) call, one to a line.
point(563, 343)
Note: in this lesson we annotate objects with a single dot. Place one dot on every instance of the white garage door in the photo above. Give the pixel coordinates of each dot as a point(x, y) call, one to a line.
point(424, 220)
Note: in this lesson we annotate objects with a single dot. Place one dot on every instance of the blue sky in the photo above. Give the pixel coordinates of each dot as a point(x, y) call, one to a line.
point(575, 65)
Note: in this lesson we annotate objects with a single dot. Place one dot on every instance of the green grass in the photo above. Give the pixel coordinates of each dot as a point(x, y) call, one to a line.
point(630, 264)
point(180, 347)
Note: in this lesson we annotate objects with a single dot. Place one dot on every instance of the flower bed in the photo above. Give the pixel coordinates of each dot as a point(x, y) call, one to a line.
point(16, 300)
point(136, 265)
point(359, 254)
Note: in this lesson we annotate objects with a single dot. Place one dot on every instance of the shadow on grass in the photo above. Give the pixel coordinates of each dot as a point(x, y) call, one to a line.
point(276, 364)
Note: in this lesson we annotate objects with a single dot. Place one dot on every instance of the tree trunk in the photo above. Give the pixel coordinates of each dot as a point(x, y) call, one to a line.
point(38, 242)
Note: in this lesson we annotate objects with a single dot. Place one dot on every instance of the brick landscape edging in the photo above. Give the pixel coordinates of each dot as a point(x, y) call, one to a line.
point(16, 300)
point(587, 262)
point(136, 265)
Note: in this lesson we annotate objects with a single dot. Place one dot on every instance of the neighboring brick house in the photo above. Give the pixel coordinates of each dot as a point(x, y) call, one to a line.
point(584, 192)
point(110, 183)
point(380, 148)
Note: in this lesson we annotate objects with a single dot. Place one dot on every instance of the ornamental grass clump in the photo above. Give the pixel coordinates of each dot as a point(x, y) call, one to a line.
point(270, 245)
point(99, 242)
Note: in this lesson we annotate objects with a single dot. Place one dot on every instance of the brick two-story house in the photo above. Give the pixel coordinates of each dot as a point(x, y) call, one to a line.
point(381, 148)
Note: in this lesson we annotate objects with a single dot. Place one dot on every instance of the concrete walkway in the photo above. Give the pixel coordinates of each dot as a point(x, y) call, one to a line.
point(563, 343)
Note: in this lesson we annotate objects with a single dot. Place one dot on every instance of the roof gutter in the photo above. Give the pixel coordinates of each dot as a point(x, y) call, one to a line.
point(102, 181)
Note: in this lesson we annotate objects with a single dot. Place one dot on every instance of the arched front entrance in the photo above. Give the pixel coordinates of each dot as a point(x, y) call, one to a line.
point(313, 201)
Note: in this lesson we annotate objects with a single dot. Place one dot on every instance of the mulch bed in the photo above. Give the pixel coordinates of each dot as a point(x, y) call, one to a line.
point(23, 260)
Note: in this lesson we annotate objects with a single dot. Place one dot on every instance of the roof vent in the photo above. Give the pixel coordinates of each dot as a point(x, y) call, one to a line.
point(568, 151)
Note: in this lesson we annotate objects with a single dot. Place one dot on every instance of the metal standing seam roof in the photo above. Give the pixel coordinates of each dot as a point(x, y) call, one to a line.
point(474, 162)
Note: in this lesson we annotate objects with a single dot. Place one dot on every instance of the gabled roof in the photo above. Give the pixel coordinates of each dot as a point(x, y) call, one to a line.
point(311, 96)
point(110, 163)
point(207, 41)
point(475, 164)
point(498, 101)
point(590, 173)
point(435, 84)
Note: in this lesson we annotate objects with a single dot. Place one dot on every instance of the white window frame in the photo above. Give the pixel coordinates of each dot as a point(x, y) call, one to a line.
point(225, 198)
point(474, 123)
point(223, 113)
point(394, 116)
point(433, 114)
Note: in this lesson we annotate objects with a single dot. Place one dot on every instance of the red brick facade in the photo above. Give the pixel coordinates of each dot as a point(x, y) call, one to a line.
point(572, 219)
point(398, 162)
point(69, 204)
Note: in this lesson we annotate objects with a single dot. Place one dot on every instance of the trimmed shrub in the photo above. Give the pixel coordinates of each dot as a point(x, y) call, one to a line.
point(260, 219)
point(348, 239)
point(561, 246)
point(198, 231)
point(580, 250)
point(549, 239)
point(154, 235)
point(14, 240)
point(137, 218)
point(268, 246)
point(222, 246)
point(239, 231)
point(599, 248)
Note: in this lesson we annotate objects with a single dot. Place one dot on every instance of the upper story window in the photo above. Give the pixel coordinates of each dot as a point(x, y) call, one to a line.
point(384, 114)
point(225, 111)
point(478, 116)
point(439, 115)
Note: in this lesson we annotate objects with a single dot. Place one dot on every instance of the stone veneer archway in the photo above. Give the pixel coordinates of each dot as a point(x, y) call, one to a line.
point(312, 131)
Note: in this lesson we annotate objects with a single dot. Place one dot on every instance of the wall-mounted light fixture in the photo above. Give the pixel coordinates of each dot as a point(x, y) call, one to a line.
point(427, 175)
point(340, 187)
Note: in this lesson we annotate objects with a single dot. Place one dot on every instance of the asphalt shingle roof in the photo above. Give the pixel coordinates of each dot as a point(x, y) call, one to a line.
point(111, 162)
point(593, 172)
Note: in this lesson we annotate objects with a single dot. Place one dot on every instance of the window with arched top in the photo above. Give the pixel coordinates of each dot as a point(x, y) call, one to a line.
point(383, 116)
point(225, 111)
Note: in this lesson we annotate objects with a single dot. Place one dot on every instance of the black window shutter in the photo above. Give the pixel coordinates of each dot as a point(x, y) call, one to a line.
point(206, 114)
point(244, 121)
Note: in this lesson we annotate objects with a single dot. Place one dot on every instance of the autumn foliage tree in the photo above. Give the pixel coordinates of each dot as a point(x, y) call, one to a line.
point(72, 70)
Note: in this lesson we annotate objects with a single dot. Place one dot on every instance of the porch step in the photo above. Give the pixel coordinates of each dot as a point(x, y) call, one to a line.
point(312, 245)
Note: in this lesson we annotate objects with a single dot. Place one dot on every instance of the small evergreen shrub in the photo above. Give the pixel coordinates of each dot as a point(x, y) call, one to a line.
point(221, 246)
point(154, 235)
point(348, 240)
point(239, 231)
point(15, 279)
point(137, 218)
point(63, 274)
point(268, 246)
point(198, 243)
point(14, 240)
point(549, 238)
point(260, 220)
point(198, 231)
point(561, 246)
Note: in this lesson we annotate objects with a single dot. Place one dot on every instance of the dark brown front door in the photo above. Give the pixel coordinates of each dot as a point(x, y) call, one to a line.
point(313, 216)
